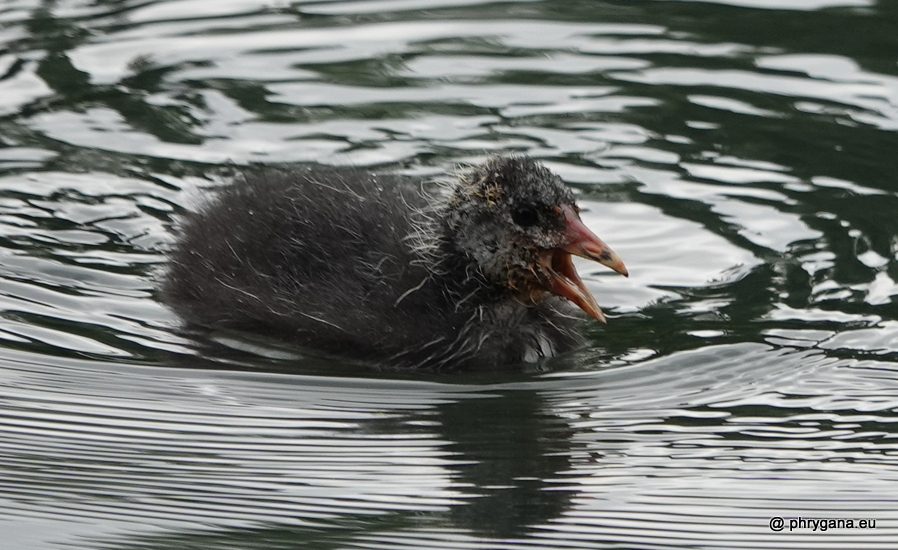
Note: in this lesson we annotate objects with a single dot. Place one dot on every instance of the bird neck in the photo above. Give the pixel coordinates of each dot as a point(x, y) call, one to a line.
point(456, 268)
point(444, 249)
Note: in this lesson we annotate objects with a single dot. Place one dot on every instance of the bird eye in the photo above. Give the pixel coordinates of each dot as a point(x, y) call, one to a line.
point(526, 216)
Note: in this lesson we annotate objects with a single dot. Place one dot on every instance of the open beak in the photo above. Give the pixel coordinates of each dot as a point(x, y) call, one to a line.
point(557, 262)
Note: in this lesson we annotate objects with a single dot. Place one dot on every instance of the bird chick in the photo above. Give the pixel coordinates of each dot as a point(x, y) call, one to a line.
point(368, 265)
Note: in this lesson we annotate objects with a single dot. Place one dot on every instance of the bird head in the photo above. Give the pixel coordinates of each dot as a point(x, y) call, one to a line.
point(520, 225)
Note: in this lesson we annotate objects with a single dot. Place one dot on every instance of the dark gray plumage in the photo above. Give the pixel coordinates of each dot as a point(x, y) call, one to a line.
point(368, 265)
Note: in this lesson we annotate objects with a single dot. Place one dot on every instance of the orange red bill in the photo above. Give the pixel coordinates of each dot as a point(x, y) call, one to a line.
point(563, 278)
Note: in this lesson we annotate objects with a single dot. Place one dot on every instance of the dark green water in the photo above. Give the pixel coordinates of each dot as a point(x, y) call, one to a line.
point(741, 156)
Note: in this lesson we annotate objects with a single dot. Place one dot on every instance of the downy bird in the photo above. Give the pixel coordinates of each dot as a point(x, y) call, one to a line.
point(370, 265)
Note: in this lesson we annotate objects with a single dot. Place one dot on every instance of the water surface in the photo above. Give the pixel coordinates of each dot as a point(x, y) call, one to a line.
point(741, 156)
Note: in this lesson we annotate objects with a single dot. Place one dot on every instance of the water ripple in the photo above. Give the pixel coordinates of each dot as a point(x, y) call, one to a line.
point(732, 152)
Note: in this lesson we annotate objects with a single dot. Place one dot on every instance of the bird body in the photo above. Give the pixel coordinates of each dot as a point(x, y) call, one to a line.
point(369, 265)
